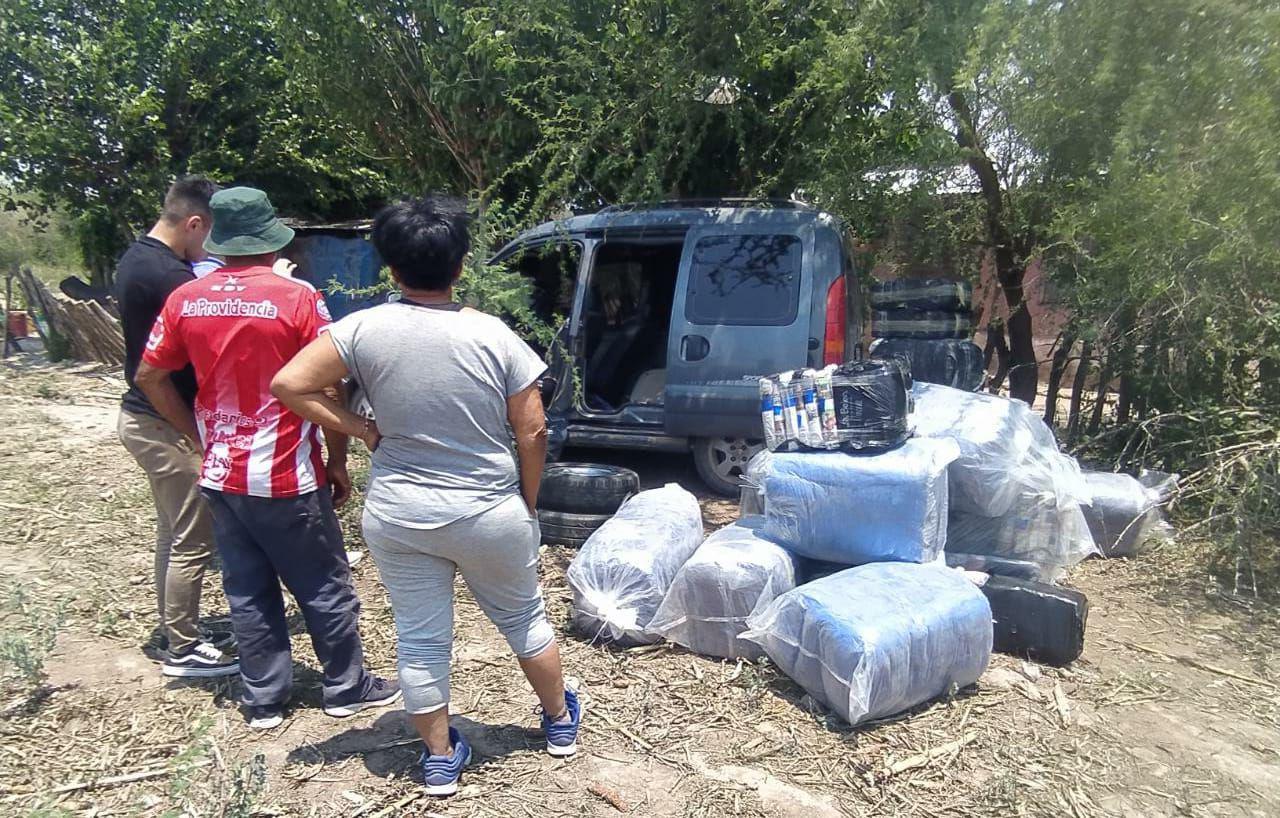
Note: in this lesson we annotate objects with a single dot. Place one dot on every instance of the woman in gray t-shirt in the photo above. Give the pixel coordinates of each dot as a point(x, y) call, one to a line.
point(457, 455)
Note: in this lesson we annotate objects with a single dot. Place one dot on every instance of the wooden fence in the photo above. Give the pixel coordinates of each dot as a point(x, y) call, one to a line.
point(89, 330)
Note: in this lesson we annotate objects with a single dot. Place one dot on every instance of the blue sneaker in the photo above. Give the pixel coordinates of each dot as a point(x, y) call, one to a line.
point(441, 773)
point(562, 736)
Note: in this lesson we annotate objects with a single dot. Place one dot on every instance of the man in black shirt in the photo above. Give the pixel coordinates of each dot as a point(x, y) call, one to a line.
point(154, 266)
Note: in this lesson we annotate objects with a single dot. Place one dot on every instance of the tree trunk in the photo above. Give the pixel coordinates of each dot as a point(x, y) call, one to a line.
point(1024, 373)
point(1077, 390)
point(1100, 397)
point(1124, 399)
point(1060, 357)
point(995, 337)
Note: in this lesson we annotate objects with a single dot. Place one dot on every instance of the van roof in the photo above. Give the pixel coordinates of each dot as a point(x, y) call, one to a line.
point(666, 216)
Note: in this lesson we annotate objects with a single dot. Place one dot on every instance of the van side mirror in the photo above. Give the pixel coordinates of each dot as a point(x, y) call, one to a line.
point(548, 388)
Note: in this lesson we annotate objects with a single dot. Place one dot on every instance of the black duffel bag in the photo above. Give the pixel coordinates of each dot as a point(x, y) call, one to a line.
point(922, 294)
point(920, 324)
point(947, 361)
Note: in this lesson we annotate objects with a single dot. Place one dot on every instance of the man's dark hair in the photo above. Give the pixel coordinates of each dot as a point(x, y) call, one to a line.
point(424, 240)
point(188, 196)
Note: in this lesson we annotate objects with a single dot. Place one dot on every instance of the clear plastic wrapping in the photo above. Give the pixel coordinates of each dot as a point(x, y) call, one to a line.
point(1124, 512)
point(734, 572)
point(858, 406)
point(1040, 528)
point(624, 569)
point(857, 508)
point(878, 639)
point(1006, 450)
point(921, 294)
point(946, 361)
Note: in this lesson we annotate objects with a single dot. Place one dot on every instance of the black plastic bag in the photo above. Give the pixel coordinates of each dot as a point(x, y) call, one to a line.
point(920, 324)
point(1043, 622)
point(946, 361)
point(922, 294)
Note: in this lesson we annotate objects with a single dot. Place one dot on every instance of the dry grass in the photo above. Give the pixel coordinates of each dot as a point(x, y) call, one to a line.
point(667, 733)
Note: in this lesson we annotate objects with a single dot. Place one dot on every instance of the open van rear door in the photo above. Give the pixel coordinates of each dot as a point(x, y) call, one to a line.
point(741, 310)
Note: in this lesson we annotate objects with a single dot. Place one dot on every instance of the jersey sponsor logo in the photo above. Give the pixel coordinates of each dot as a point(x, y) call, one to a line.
point(220, 416)
point(322, 309)
point(230, 308)
point(157, 334)
point(231, 285)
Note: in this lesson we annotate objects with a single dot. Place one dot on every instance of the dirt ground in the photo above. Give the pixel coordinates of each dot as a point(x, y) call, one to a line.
point(1173, 710)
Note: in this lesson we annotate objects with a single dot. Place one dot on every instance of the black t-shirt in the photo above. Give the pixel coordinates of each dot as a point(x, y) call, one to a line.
point(148, 271)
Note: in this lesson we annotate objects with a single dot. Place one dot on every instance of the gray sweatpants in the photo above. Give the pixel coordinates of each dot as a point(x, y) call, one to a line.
point(497, 553)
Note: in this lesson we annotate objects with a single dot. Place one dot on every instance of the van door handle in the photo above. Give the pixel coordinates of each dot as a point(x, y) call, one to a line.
point(694, 348)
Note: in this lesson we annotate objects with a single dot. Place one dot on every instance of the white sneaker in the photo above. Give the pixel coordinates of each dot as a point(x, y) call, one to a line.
point(354, 557)
point(202, 661)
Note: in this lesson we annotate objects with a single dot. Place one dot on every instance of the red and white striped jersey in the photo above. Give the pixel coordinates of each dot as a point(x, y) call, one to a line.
point(238, 327)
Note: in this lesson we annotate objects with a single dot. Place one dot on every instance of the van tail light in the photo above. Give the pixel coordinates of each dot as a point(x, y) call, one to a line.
point(833, 343)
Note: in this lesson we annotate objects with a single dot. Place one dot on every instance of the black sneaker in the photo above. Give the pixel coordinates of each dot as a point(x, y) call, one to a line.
point(381, 693)
point(202, 661)
point(157, 647)
point(222, 640)
point(264, 717)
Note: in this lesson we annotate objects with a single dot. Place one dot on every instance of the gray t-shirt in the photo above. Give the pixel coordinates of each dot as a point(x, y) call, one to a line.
point(438, 381)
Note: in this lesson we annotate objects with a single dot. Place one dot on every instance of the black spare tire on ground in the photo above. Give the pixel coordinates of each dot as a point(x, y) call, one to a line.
point(947, 361)
point(922, 294)
point(920, 324)
point(567, 528)
point(586, 488)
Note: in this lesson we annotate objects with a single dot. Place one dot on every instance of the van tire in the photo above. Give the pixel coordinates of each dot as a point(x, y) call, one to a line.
point(586, 489)
point(722, 461)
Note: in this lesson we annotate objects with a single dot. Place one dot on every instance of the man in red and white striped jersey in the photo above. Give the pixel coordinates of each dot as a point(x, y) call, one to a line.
point(271, 493)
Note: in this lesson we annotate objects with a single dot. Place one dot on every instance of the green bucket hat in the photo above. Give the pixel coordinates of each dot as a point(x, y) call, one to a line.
point(245, 224)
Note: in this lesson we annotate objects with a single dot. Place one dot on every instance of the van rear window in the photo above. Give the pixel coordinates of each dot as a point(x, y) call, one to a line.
point(744, 279)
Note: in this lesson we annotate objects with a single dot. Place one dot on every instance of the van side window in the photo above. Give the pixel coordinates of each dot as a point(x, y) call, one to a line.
point(744, 279)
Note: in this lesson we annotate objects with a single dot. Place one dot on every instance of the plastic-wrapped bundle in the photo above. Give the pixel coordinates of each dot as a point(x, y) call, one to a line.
point(922, 294)
point(732, 573)
point(1041, 528)
point(1125, 512)
point(875, 640)
point(1005, 449)
point(858, 406)
point(872, 404)
point(625, 568)
point(945, 361)
point(998, 566)
point(858, 508)
point(927, 324)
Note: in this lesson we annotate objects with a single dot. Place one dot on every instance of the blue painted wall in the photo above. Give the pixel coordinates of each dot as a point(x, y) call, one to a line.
point(347, 258)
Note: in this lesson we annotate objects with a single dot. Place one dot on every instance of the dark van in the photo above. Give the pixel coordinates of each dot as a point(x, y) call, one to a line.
point(670, 312)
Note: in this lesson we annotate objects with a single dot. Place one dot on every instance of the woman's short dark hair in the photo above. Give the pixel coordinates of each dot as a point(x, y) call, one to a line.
point(424, 240)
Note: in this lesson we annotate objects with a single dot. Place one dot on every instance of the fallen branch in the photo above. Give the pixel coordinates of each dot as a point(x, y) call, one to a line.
point(128, 778)
point(1208, 668)
point(920, 760)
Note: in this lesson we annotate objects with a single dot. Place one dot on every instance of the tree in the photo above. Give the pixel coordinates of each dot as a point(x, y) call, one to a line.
point(103, 103)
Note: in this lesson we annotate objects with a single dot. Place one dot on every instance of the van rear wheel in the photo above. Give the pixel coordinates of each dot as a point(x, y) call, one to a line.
point(721, 461)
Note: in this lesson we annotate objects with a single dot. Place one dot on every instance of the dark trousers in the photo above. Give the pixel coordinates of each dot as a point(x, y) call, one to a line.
point(296, 540)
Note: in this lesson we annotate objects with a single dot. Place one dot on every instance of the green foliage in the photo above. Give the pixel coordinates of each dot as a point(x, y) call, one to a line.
point(103, 103)
point(43, 240)
point(28, 631)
